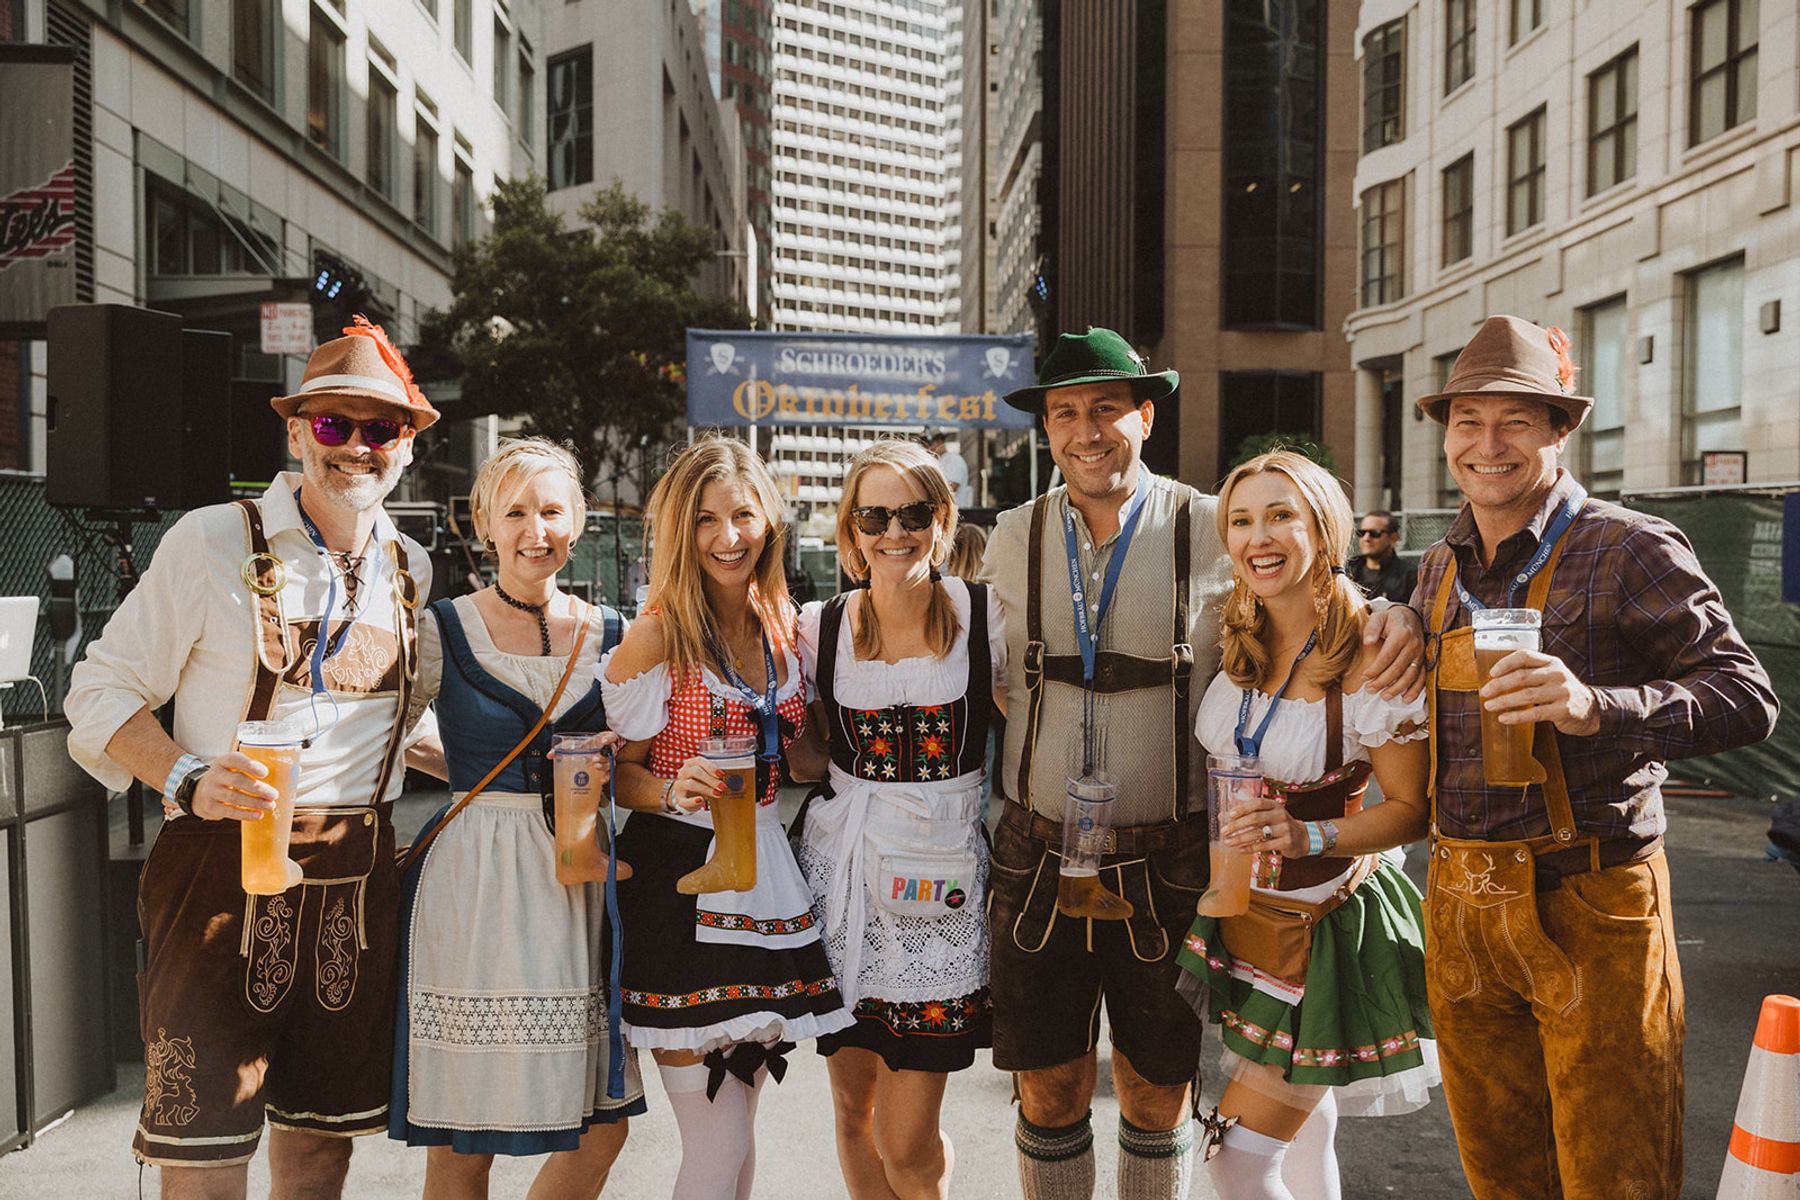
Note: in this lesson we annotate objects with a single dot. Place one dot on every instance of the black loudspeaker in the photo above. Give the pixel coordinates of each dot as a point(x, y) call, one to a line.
point(114, 420)
point(205, 419)
point(258, 436)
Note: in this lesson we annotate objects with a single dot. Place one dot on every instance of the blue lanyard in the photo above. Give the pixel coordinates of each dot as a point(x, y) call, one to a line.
point(1086, 637)
point(1559, 525)
point(320, 652)
point(764, 705)
point(1251, 745)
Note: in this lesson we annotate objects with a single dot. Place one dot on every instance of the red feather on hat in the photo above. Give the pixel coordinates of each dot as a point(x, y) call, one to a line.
point(361, 326)
point(1565, 366)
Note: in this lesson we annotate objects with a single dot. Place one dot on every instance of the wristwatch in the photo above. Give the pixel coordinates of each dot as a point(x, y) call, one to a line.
point(183, 795)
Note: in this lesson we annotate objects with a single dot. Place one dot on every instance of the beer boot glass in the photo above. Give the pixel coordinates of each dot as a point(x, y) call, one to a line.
point(1087, 818)
point(583, 765)
point(1232, 781)
point(732, 867)
point(1505, 749)
point(267, 870)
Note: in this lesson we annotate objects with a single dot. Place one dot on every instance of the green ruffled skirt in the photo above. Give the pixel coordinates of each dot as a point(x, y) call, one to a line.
point(1359, 1022)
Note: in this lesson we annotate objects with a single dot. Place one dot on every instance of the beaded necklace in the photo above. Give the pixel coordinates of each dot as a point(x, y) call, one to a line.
point(536, 610)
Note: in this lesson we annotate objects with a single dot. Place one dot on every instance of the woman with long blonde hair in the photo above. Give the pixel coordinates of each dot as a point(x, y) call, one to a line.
point(906, 667)
point(713, 982)
point(1319, 990)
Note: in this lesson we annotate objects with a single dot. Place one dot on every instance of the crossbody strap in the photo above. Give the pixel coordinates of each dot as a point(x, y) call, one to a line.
point(418, 847)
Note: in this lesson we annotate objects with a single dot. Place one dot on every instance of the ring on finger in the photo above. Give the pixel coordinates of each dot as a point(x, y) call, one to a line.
point(1268, 833)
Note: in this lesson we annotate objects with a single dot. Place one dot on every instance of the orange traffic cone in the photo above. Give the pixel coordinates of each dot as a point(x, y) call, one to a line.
point(1764, 1161)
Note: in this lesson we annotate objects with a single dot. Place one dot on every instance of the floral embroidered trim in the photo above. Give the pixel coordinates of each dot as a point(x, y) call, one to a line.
point(571, 1020)
point(732, 991)
point(742, 923)
point(908, 744)
point(927, 1018)
point(1331, 1056)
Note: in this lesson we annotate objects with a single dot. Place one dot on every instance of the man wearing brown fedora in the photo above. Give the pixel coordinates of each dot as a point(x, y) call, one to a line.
point(1130, 564)
point(297, 607)
point(1554, 986)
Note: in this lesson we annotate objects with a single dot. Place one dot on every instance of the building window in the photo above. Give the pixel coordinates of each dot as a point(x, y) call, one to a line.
point(502, 66)
point(384, 132)
point(1273, 165)
point(1459, 209)
point(1712, 367)
point(1262, 402)
point(205, 228)
point(569, 138)
point(1459, 43)
point(463, 29)
point(1612, 122)
point(325, 86)
point(1724, 56)
point(1384, 86)
point(1448, 493)
point(1523, 16)
point(462, 197)
point(425, 167)
point(253, 46)
point(174, 13)
point(1604, 335)
point(1525, 173)
point(527, 94)
point(1383, 243)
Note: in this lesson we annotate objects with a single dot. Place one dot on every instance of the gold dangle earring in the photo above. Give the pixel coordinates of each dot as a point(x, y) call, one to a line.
point(1323, 584)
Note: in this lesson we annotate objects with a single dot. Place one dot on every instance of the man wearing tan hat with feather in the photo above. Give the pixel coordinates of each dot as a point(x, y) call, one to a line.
point(296, 608)
point(1550, 957)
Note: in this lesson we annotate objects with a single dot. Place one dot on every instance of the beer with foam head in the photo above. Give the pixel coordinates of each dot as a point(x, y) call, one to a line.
point(266, 868)
point(581, 769)
point(732, 867)
point(1505, 749)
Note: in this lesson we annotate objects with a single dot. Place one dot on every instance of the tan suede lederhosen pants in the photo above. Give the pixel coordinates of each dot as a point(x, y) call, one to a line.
point(1559, 1011)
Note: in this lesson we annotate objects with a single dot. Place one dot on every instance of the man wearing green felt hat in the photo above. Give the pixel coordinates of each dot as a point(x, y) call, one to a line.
point(1128, 567)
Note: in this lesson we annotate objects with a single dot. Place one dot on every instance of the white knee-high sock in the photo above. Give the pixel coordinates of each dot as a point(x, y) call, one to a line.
point(747, 1172)
point(716, 1137)
point(1310, 1169)
point(1248, 1166)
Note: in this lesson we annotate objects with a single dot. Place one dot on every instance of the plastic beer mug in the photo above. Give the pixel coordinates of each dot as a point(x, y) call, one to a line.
point(582, 768)
point(1232, 781)
point(267, 870)
point(1087, 819)
point(1505, 749)
point(732, 867)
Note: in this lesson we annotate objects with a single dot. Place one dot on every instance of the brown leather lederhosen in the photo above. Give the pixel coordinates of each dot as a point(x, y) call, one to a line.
point(1276, 934)
point(337, 845)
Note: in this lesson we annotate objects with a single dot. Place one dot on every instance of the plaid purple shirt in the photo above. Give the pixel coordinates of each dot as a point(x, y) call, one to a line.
point(1633, 615)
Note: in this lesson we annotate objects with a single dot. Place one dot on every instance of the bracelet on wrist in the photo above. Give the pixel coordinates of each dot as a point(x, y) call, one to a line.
point(1329, 831)
point(1315, 840)
point(177, 789)
point(668, 801)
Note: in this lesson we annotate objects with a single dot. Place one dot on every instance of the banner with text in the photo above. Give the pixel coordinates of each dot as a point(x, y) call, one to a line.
point(37, 182)
point(741, 377)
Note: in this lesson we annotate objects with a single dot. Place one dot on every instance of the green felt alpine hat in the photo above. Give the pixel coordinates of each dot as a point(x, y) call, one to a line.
point(1097, 356)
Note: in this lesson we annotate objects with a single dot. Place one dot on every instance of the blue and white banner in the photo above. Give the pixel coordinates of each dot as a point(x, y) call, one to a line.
point(740, 377)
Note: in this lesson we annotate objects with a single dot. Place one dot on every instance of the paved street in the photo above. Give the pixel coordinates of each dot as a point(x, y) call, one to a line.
point(1738, 921)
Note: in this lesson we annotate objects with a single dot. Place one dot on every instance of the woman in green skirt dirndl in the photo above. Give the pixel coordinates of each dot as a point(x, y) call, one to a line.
point(1319, 988)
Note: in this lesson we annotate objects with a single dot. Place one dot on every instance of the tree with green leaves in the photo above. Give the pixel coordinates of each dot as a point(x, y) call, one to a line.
point(581, 329)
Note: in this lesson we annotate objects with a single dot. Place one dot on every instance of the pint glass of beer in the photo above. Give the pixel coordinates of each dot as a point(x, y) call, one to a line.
point(1505, 749)
point(1087, 818)
point(1232, 782)
point(581, 767)
point(267, 870)
point(732, 867)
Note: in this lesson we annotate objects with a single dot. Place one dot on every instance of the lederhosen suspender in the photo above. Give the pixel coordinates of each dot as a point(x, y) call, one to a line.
point(1562, 835)
point(1113, 671)
point(274, 653)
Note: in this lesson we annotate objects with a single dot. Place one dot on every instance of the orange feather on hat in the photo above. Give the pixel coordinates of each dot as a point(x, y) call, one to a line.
point(363, 327)
point(1565, 366)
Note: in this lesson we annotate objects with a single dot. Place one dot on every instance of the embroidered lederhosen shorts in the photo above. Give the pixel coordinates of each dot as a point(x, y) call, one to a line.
point(276, 1007)
point(1049, 973)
